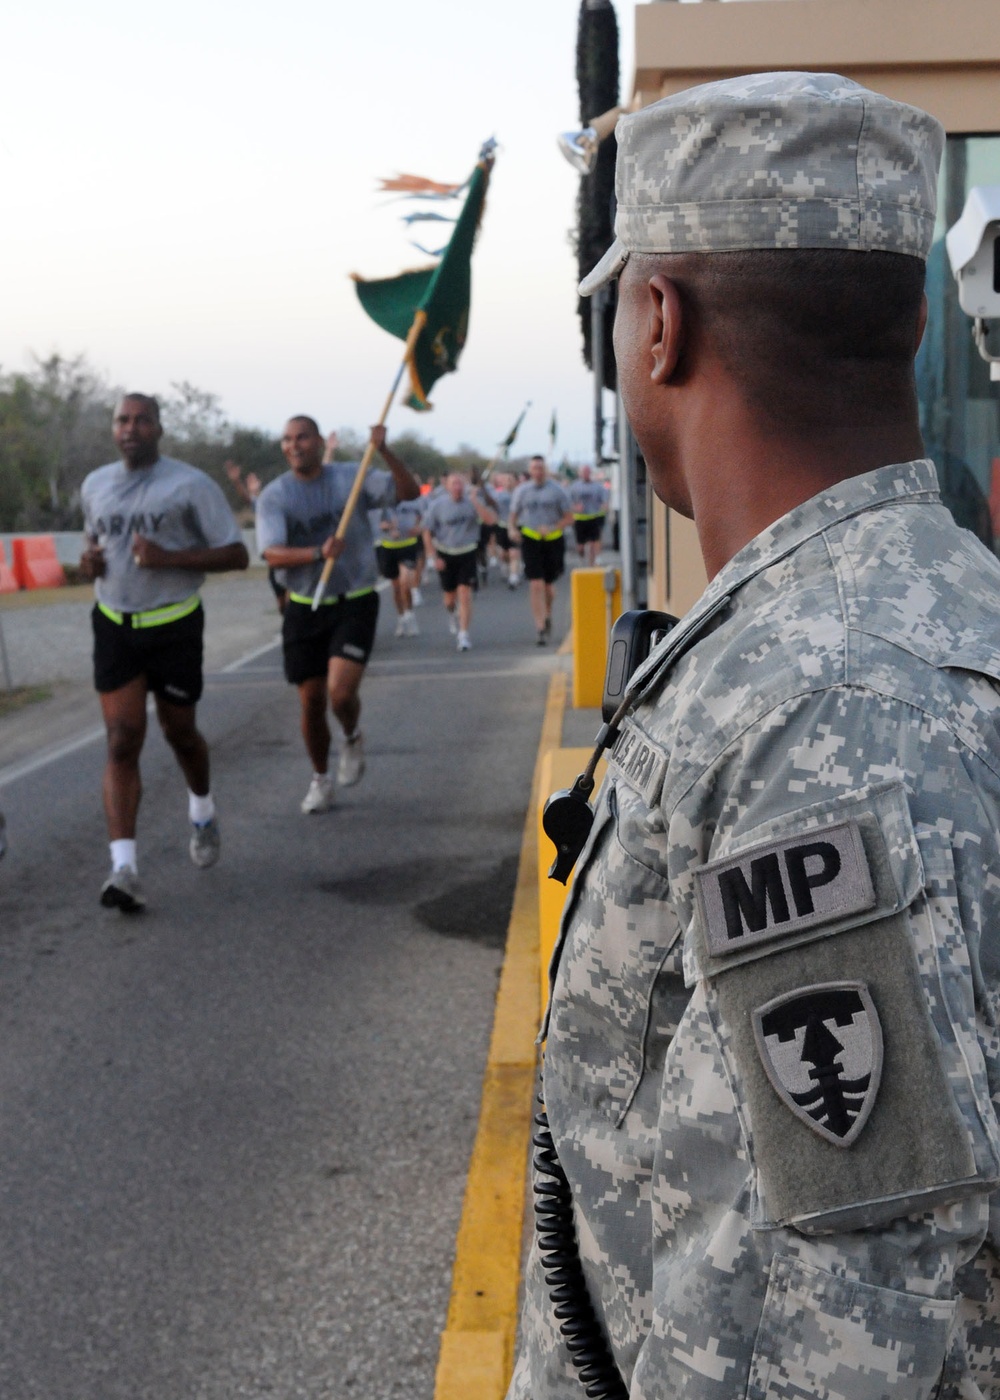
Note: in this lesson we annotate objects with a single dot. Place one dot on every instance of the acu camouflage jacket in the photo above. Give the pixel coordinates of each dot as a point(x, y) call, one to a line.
point(772, 1051)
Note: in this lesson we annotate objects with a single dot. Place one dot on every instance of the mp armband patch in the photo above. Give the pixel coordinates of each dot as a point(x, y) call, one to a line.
point(783, 887)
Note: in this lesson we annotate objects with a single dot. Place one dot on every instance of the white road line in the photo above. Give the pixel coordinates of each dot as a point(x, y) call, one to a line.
point(250, 656)
point(14, 772)
point(27, 766)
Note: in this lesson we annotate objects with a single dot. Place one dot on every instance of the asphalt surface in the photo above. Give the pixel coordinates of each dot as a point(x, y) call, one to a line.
point(234, 1130)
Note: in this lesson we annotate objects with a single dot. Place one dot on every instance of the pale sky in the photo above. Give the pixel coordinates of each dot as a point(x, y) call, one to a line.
point(186, 187)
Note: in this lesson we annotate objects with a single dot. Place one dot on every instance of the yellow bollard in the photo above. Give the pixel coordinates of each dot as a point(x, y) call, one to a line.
point(590, 632)
point(560, 769)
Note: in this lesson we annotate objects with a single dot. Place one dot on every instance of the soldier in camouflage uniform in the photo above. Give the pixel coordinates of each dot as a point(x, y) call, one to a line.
point(772, 1047)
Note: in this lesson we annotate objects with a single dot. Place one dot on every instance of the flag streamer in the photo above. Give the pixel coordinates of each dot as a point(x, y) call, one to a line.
point(442, 292)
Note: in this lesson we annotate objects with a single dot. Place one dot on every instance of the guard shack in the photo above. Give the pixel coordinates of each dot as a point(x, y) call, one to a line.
point(942, 55)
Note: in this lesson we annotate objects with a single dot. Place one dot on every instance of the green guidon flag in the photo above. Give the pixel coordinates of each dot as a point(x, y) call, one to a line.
point(442, 292)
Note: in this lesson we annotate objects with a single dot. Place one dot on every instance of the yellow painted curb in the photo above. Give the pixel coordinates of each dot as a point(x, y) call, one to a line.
point(477, 1345)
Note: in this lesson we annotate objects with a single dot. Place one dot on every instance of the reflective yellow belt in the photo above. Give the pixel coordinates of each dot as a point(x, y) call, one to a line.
point(155, 617)
point(337, 598)
point(534, 534)
point(595, 515)
point(397, 544)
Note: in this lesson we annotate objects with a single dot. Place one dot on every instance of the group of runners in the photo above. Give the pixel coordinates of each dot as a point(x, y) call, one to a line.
point(461, 530)
point(156, 526)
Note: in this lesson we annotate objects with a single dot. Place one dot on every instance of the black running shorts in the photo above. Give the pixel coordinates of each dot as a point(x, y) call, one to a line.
point(169, 656)
point(389, 559)
point(309, 639)
point(458, 569)
point(587, 530)
point(543, 558)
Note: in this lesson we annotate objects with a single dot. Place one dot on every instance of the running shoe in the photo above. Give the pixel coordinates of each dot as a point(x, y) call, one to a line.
point(463, 642)
point(417, 597)
point(452, 624)
point(401, 625)
point(206, 843)
point(121, 890)
point(352, 761)
point(541, 640)
point(320, 796)
point(512, 581)
point(548, 625)
point(410, 628)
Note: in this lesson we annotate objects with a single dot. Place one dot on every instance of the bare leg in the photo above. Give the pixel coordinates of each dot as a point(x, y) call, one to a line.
point(343, 681)
point(537, 595)
point(464, 607)
point(315, 729)
point(124, 712)
point(405, 582)
point(190, 749)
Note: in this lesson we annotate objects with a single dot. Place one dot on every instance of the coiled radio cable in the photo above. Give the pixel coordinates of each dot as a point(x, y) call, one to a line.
point(563, 1271)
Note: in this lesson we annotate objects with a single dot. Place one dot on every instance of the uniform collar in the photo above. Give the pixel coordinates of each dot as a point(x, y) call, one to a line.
point(906, 481)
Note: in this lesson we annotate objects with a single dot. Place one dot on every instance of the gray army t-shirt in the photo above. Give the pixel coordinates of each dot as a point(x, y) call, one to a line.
point(452, 525)
point(589, 498)
point(539, 508)
point(403, 522)
point(296, 512)
point(171, 503)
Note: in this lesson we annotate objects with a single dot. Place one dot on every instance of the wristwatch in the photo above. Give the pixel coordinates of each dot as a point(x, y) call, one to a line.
point(318, 554)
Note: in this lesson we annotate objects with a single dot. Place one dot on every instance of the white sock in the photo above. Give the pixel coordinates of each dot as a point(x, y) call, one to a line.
point(123, 853)
point(200, 809)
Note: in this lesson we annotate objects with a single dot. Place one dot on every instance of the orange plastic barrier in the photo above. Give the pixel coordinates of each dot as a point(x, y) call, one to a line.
point(8, 583)
point(36, 564)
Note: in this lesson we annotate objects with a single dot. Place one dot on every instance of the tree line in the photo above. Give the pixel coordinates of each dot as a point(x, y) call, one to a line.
point(55, 427)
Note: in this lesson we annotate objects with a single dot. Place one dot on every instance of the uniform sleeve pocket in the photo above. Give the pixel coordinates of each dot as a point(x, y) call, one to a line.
point(851, 1044)
point(823, 1338)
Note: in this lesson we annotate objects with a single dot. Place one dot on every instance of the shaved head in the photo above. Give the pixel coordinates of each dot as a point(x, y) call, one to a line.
point(309, 422)
point(803, 332)
point(148, 402)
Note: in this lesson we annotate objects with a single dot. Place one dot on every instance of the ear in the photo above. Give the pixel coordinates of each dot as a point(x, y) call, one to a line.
point(921, 322)
point(665, 327)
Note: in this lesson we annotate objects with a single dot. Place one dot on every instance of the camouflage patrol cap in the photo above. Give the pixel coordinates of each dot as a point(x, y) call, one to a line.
point(773, 160)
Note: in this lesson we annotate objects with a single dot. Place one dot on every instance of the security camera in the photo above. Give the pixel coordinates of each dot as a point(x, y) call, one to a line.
point(973, 245)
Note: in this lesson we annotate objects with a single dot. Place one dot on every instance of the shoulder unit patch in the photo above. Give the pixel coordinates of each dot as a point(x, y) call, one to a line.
point(784, 887)
point(822, 1050)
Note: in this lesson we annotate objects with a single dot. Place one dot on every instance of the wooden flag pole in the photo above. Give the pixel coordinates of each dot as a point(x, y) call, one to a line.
point(419, 321)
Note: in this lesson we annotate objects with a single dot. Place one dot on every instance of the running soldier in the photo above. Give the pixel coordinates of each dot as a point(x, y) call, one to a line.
point(397, 552)
point(155, 527)
point(590, 506)
point(540, 511)
point(451, 538)
point(325, 652)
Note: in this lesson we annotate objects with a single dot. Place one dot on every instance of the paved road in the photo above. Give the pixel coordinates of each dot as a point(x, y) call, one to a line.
point(233, 1132)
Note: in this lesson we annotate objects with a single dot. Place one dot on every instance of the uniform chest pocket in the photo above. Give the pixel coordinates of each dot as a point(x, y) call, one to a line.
point(619, 936)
